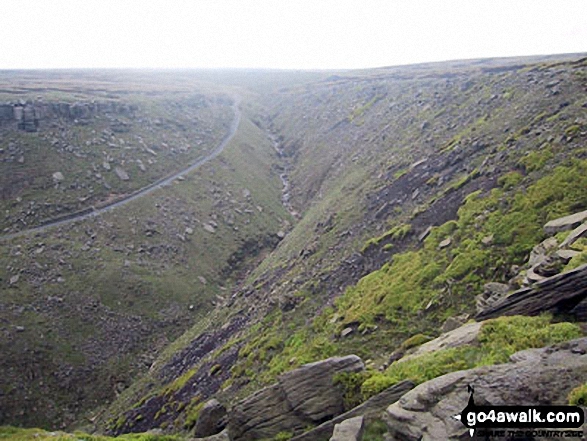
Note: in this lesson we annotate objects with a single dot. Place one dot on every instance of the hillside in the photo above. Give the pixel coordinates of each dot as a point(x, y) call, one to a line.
point(88, 304)
point(357, 213)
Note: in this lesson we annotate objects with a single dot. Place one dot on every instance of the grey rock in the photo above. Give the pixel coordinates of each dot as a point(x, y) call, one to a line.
point(58, 177)
point(565, 223)
point(209, 228)
point(300, 398)
point(371, 408)
point(106, 165)
point(465, 335)
point(222, 436)
point(445, 243)
point(212, 419)
point(425, 413)
point(556, 294)
point(455, 322)
point(349, 430)
point(346, 331)
point(580, 231)
point(540, 252)
point(492, 293)
point(14, 279)
point(123, 175)
point(567, 255)
point(425, 234)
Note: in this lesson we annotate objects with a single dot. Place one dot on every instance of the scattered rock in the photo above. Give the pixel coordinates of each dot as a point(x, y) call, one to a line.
point(487, 240)
point(246, 193)
point(565, 223)
point(58, 177)
point(445, 243)
point(346, 331)
point(281, 234)
point(202, 280)
point(189, 230)
point(492, 293)
point(425, 234)
point(349, 430)
point(212, 419)
point(106, 165)
point(425, 413)
point(14, 279)
point(123, 175)
point(209, 228)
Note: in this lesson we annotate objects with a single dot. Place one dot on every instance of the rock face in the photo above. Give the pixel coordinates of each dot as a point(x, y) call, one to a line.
point(371, 408)
point(211, 420)
point(425, 413)
point(565, 223)
point(349, 430)
point(301, 397)
point(557, 294)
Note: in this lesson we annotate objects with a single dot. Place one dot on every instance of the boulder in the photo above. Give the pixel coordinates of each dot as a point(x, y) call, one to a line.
point(565, 223)
point(455, 322)
point(58, 177)
point(540, 252)
point(445, 243)
point(371, 408)
point(465, 335)
point(556, 294)
point(567, 255)
point(492, 293)
point(123, 175)
point(222, 436)
point(426, 412)
point(309, 388)
point(212, 419)
point(580, 231)
point(300, 398)
point(349, 430)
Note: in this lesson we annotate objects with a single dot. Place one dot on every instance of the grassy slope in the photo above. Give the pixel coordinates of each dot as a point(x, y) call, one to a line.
point(352, 141)
point(94, 306)
point(172, 123)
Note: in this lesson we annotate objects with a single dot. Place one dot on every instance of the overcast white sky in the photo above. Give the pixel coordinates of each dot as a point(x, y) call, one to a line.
point(297, 34)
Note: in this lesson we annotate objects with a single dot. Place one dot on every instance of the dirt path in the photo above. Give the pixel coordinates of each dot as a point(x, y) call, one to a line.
point(91, 212)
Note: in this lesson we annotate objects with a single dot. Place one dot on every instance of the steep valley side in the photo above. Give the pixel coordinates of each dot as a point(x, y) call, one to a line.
point(416, 186)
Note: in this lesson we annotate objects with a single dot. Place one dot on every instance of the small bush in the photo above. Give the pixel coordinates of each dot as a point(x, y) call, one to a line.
point(578, 396)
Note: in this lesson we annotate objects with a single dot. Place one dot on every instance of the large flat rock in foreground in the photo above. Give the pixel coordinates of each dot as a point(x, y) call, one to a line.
point(533, 377)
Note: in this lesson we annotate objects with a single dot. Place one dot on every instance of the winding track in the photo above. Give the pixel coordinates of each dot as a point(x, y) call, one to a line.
point(92, 212)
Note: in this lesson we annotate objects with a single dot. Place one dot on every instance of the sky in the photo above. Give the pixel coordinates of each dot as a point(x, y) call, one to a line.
point(282, 34)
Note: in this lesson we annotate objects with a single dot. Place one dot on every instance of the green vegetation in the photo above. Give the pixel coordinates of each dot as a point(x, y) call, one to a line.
point(18, 434)
point(536, 160)
point(578, 396)
point(375, 431)
point(498, 340)
point(396, 233)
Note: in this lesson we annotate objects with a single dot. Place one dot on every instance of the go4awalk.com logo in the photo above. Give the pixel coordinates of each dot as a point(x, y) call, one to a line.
point(522, 421)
